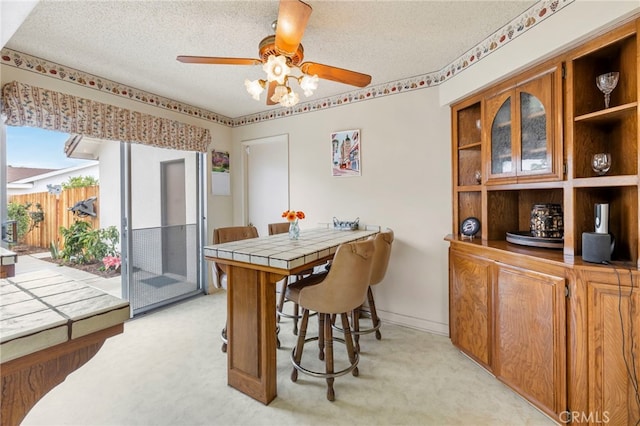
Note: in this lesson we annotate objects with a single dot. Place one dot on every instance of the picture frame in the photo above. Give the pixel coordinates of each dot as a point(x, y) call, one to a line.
point(220, 173)
point(346, 153)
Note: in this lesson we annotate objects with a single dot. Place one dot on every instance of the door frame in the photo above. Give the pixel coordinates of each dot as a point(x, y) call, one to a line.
point(245, 166)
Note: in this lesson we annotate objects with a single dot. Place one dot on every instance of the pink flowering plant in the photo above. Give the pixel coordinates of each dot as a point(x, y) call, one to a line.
point(111, 262)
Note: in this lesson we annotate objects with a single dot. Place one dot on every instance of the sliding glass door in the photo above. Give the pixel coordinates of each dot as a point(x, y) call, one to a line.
point(162, 205)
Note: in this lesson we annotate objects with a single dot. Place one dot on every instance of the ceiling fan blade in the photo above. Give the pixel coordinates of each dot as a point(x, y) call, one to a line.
point(336, 74)
point(217, 61)
point(292, 21)
point(270, 91)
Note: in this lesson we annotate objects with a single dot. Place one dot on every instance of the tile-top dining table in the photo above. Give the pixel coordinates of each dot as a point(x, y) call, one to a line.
point(255, 266)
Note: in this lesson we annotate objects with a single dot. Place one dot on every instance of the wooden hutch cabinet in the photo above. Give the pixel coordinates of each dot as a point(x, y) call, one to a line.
point(562, 332)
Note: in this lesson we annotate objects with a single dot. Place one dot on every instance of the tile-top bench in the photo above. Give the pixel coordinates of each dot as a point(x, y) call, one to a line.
point(8, 261)
point(50, 325)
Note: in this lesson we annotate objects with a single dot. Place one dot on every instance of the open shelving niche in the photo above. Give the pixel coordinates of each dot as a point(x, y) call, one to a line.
point(589, 128)
point(593, 128)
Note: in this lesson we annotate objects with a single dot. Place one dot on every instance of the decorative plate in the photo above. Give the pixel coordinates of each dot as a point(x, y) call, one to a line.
point(525, 238)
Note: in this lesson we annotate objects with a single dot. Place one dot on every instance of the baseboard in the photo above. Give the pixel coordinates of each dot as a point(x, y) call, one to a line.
point(415, 323)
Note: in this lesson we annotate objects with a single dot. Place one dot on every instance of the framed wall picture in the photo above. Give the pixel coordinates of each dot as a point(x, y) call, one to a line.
point(220, 176)
point(345, 153)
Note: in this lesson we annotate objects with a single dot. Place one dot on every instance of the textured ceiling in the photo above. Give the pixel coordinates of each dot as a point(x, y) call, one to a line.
point(136, 42)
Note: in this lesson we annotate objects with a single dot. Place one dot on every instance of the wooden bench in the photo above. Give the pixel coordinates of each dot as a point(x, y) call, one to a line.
point(8, 260)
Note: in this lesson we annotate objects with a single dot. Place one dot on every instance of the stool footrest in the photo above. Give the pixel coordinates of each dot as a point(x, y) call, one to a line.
point(321, 375)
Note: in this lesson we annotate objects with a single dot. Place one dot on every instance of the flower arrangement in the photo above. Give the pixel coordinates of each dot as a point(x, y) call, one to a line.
point(292, 215)
point(110, 262)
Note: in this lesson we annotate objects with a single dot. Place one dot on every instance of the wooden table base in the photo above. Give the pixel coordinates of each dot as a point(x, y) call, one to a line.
point(251, 331)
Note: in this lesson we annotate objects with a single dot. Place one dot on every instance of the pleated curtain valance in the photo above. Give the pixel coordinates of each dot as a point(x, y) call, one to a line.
point(26, 105)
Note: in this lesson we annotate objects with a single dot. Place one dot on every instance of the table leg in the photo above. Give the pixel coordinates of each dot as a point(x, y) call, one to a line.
point(251, 332)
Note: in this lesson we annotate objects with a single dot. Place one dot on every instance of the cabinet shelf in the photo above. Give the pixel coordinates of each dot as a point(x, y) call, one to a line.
point(475, 145)
point(606, 181)
point(537, 114)
point(609, 115)
point(526, 186)
point(469, 188)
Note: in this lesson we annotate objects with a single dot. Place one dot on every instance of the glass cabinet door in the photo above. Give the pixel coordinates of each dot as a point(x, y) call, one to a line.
point(521, 132)
point(501, 139)
point(535, 130)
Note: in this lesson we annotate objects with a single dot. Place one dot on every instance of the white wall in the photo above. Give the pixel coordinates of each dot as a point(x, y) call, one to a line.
point(405, 185)
point(12, 14)
point(109, 200)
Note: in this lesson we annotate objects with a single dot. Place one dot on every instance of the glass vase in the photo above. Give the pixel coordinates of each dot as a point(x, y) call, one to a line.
point(294, 230)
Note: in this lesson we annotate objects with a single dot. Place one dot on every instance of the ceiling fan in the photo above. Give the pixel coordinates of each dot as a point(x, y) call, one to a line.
point(280, 54)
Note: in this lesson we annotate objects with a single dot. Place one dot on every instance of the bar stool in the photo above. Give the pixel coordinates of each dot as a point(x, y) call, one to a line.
point(226, 235)
point(281, 228)
point(338, 292)
point(382, 242)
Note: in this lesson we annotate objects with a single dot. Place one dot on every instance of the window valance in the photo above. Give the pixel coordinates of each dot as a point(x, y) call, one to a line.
point(26, 105)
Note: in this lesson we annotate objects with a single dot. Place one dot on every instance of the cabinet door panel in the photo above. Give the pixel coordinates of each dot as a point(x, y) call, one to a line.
point(530, 348)
point(610, 355)
point(469, 314)
point(536, 130)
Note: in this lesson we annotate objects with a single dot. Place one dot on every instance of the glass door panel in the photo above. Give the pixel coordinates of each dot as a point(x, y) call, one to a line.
point(501, 142)
point(535, 129)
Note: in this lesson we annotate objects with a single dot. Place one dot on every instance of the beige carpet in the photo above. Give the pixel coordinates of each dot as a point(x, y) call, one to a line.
point(167, 369)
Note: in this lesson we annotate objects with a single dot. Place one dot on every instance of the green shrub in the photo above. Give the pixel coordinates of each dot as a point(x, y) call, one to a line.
point(79, 182)
point(82, 244)
point(26, 219)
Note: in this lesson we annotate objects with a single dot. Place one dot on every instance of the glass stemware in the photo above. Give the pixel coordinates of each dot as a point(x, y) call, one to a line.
point(606, 83)
point(601, 163)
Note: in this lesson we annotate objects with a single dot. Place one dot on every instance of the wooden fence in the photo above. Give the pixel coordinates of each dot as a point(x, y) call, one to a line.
point(56, 213)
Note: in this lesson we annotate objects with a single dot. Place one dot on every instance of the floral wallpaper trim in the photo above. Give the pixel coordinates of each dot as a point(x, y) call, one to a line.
point(26, 105)
point(531, 17)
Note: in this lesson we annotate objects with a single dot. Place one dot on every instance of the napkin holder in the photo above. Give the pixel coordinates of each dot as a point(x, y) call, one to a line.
point(343, 225)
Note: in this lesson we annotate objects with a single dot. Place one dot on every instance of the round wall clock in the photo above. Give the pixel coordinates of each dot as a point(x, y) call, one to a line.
point(470, 227)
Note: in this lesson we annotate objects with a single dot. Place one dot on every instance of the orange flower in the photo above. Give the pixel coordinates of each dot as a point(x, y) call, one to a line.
point(292, 215)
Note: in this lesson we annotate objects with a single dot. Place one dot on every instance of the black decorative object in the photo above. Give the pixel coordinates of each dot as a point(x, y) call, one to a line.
point(547, 221)
point(470, 227)
point(84, 208)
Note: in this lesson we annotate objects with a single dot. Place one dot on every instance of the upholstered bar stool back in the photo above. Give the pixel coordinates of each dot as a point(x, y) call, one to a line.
point(383, 242)
point(338, 292)
point(226, 235)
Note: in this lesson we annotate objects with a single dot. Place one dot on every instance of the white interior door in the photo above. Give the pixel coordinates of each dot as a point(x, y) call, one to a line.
point(267, 161)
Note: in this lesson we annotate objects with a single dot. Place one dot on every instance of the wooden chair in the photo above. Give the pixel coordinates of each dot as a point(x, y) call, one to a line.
point(225, 235)
point(338, 292)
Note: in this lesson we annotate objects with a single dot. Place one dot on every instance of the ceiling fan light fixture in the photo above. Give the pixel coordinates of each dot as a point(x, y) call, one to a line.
point(290, 99)
point(255, 87)
point(308, 83)
point(279, 92)
point(276, 68)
